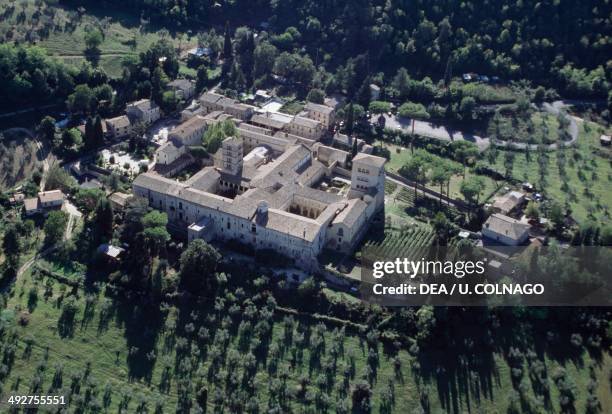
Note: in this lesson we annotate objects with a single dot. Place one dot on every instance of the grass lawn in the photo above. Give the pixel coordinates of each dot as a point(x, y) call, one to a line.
point(586, 187)
point(398, 159)
point(292, 108)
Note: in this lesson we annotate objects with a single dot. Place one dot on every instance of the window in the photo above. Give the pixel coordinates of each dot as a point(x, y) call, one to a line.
point(180, 205)
point(253, 228)
point(228, 225)
point(340, 232)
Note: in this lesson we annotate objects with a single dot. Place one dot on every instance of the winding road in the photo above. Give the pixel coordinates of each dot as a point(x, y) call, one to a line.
point(442, 132)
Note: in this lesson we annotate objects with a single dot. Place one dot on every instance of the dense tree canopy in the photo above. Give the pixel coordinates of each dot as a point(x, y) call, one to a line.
point(512, 39)
point(28, 74)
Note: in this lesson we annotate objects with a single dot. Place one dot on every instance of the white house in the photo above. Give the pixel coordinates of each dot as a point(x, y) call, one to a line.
point(45, 200)
point(144, 110)
point(119, 127)
point(183, 88)
point(322, 113)
point(505, 230)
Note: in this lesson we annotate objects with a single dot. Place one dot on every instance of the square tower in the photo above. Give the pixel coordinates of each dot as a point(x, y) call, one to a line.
point(368, 176)
point(231, 155)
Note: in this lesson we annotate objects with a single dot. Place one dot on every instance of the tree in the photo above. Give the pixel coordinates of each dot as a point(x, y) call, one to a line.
point(86, 199)
point(379, 107)
point(12, 246)
point(361, 397)
point(364, 94)
point(440, 175)
point(93, 39)
point(169, 102)
point(154, 233)
point(539, 94)
point(227, 51)
point(443, 228)
point(98, 131)
point(350, 119)
point(414, 170)
point(40, 85)
point(202, 78)
point(227, 43)
point(556, 216)
point(532, 210)
point(82, 100)
point(316, 96)
point(103, 221)
point(509, 162)
point(466, 108)
point(463, 151)
point(46, 128)
point(471, 189)
point(55, 226)
point(304, 71)
point(71, 138)
point(413, 110)
point(264, 57)
point(89, 139)
point(57, 177)
point(198, 266)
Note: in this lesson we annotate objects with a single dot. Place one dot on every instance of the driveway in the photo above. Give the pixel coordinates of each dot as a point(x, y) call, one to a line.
point(73, 214)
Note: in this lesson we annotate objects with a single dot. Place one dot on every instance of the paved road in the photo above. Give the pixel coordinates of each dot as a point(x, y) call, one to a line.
point(430, 129)
point(442, 132)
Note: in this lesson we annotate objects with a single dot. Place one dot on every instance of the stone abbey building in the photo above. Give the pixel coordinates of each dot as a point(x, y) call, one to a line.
point(292, 198)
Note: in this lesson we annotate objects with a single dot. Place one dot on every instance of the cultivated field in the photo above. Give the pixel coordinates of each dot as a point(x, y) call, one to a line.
point(18, 158)
point(61, 31)
point(122, 355)
point(585, 188)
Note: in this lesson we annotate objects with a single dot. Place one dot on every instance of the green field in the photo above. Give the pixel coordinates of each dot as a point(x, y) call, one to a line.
point(586, 186)
point(400, 155)
point(534, 127)
point(405, 243)
point(123, 33)
point(139, 356)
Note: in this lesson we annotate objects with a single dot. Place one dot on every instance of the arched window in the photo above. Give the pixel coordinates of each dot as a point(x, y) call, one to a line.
point(341, 232)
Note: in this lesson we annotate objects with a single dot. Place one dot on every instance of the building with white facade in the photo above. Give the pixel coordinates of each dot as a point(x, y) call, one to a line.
point(191, 131)
point(183, 88)
point(45, 200)
point(505, 230)
point(119, 127)
point(144, 110)
point(322, 113)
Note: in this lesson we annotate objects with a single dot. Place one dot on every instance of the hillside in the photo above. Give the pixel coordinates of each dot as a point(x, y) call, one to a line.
point(505, 38)
point(18, 157)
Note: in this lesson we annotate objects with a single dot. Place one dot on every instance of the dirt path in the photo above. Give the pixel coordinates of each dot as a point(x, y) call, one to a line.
point(26, 110)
